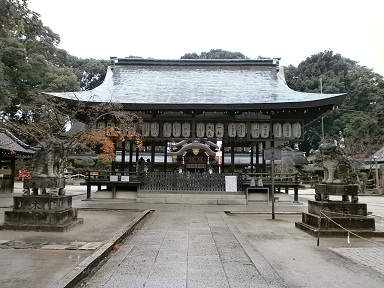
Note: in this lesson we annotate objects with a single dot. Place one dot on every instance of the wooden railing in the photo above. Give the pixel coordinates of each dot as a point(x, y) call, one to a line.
point(105, 174)
point(266, 177)
point(193, 182)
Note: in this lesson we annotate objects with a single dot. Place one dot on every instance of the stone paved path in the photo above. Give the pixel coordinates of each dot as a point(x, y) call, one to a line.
point(372, 257)
point(186, 248)
point(181, 249)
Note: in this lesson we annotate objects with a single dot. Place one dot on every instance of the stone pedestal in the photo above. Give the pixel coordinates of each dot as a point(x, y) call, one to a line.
point(48, 210)
point(336, 218)
point(44, 185)
point(41, 213)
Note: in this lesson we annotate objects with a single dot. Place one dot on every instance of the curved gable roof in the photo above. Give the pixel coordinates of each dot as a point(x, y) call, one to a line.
point(10, 142)
point(199, 82)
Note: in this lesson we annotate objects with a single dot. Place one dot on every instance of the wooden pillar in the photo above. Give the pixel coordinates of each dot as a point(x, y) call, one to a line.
point(222, 157)
point(130, 167)
point(137, 154)
point(13, 173)
point(296, 190)
point(122, 167)
point(153, 153)
point(113, 166)
point(252, 158)
point(165, 156)
point(263, 146)
point(257, 156)
point(232, 157)
point(88, 191)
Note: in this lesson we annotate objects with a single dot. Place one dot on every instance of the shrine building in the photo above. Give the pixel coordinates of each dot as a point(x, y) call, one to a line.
point(203, 115)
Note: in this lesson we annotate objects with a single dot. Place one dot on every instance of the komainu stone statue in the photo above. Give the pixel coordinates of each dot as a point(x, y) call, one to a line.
point(338, 178)
point(333, 160)
point(47, 161)
point(46, 166)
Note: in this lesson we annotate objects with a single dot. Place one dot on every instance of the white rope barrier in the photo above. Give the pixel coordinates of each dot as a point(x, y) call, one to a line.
point(349, 231)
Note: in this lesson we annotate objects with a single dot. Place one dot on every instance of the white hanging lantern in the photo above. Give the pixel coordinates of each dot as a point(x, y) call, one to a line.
point(186, 129)
point(255, 130)
point(110, 128)
point(145, 129)
point(176, 129)
point(287, 130)
point(277, 130)
point(154, 129)
point(265, 130)
point(210, 130)
point(232, 130)
point(167, 129)
point(131, 128)
point(219, 131)
point(200, 130)
point(241, 130)
point(296, 130)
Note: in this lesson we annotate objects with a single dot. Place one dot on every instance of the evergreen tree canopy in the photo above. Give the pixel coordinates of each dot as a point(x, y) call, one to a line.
point(359, 117)
point(215, 54)
point(31, 62)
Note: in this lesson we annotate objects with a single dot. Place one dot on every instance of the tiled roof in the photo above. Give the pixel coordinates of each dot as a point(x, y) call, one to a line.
point(141, 82)
point(379, 154)
point(9, 142)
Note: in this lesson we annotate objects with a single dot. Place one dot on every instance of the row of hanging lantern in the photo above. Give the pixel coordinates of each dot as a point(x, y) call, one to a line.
point(285, 130)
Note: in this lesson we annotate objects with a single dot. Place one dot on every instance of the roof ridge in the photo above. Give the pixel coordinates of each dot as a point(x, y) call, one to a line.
point(195, 62)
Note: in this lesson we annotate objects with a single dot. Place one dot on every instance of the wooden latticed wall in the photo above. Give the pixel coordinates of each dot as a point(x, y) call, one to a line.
point(193, 182)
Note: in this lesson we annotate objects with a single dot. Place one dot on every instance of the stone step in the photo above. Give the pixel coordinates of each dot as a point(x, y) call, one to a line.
point(206, 195)
point(337, 232)
point(191, 198)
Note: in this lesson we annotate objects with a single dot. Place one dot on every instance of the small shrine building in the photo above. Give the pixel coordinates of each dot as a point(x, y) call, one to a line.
point(10, 149)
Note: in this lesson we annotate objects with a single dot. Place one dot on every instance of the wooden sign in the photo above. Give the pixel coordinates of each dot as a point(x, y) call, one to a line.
point(272, 152)
point(230, 183)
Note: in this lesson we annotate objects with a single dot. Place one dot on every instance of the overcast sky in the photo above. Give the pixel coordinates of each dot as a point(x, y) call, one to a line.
point(167, 29)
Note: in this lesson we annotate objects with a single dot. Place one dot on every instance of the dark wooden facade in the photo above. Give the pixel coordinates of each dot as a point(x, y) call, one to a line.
point(10, 148)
